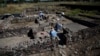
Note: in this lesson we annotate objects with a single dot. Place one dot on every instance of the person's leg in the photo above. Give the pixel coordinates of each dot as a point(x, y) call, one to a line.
point(58, 38)
point(40, 17)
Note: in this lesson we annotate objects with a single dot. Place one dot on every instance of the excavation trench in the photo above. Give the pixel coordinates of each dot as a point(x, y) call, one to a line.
point(62, 39)
point(82, 22)
point(30, 34)
point(41, 47)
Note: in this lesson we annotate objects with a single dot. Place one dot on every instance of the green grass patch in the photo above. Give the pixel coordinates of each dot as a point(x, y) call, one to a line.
point(73, 12)
point(76, 12)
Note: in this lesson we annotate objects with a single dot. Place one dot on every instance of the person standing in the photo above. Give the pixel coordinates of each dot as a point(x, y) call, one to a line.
point(41, 15)
point(54, 38)
point(58, 26)
point(53, 33)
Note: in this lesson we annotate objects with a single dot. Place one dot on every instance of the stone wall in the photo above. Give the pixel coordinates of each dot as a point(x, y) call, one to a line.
point(22, 20)
point(5, 33)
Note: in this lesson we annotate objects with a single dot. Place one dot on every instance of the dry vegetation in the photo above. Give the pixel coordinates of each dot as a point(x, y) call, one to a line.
point(17, 8)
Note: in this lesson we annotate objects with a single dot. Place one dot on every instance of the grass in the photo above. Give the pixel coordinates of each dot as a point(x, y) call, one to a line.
point(93, 12)
point(15, 8)
point(75, 12)
point(18, 8)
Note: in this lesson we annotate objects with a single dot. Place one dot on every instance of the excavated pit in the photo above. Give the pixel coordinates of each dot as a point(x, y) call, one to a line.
point(30, 34)
point(24, 37)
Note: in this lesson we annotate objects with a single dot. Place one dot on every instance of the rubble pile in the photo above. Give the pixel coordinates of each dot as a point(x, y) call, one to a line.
point(26, 48)
point(82, 34)
point(87, 47)
point(84, 42)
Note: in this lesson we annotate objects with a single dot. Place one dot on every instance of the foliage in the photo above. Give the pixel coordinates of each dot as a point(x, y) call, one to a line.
point(74, 12)
point(93, 12)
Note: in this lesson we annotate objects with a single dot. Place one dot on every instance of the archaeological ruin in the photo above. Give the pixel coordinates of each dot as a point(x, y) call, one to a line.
point(27, 35)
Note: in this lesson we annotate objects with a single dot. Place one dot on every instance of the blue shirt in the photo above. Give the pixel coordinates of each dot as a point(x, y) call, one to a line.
point(41, 14)
point(53, 33)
